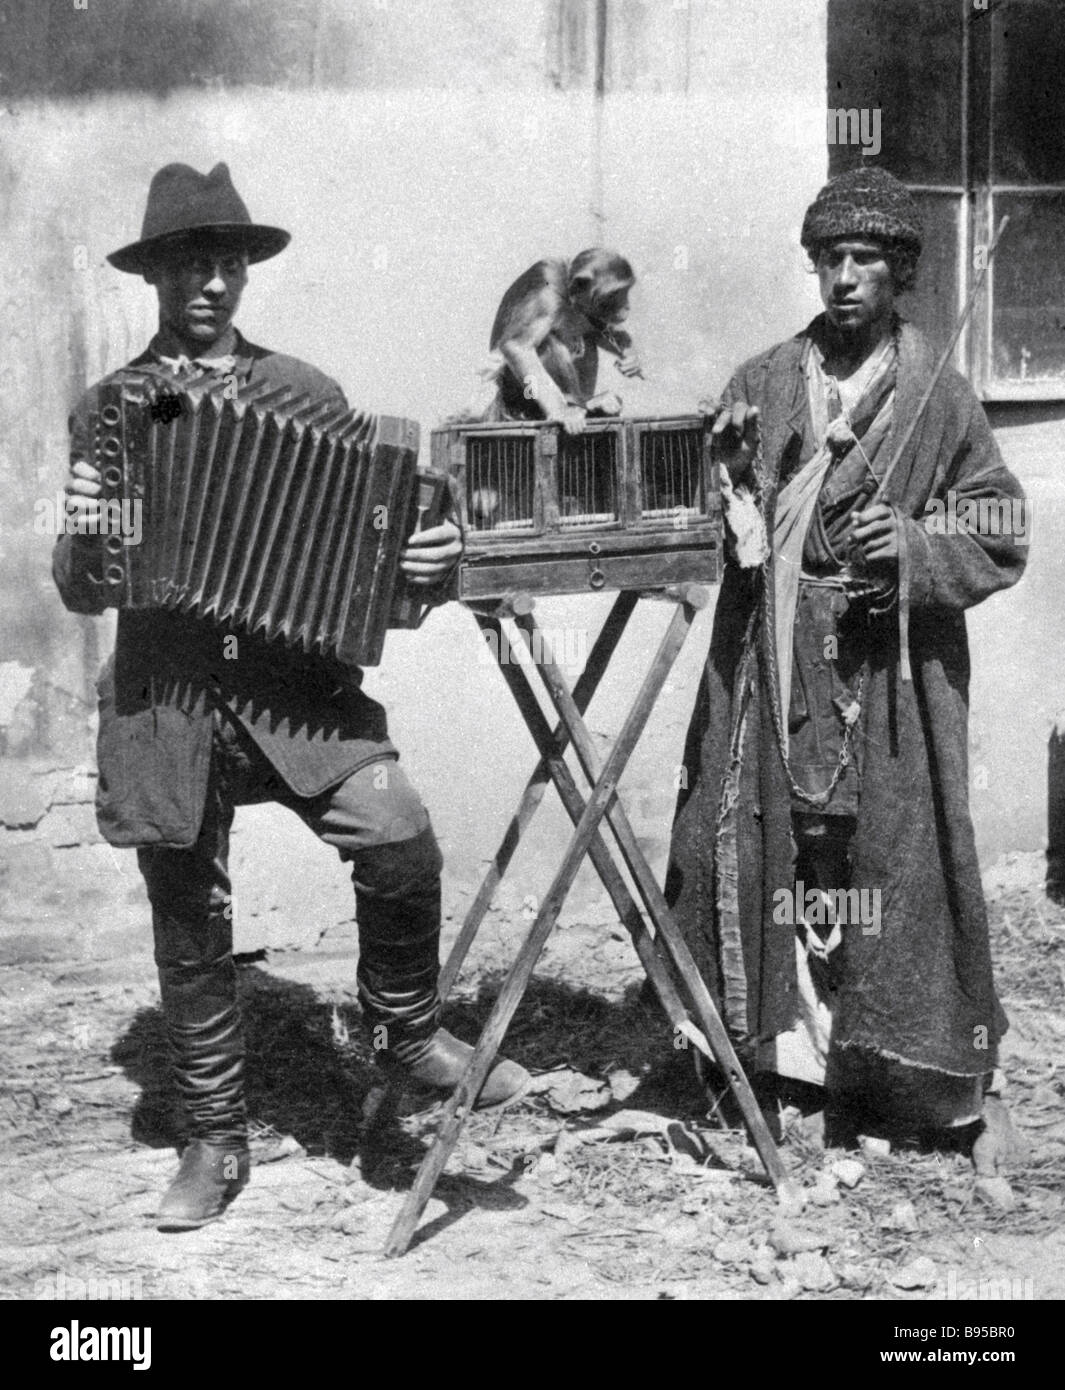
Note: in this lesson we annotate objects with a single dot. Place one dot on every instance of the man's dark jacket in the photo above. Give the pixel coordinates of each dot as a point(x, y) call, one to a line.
point(170, 672)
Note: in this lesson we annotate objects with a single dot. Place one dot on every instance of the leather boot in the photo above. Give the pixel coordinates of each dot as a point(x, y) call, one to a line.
point(397, 891)
point(208, 1064)
point(209, 1178)
point(198, 985)
point(441, 1062)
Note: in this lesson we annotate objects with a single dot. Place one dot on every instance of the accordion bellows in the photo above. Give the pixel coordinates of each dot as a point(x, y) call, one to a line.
point(268, 512)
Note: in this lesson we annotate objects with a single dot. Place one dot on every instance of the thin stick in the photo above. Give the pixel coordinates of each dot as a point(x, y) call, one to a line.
point(919, 412)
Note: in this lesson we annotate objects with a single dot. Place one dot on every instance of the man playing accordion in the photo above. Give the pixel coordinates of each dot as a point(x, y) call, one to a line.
point(186, 735)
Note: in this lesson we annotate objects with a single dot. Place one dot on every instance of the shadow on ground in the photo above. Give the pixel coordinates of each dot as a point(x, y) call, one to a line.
point(310, 1071)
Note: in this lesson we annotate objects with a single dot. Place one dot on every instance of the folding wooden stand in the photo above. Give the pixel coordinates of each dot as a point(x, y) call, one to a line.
point(661, 948)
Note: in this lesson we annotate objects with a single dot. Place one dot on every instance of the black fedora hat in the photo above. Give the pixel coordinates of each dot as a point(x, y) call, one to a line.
point(183, 204)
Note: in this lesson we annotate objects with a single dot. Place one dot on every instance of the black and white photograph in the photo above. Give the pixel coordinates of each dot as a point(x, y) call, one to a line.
point(532, 701)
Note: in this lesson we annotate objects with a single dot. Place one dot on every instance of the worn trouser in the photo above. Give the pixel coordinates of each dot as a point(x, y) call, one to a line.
point(377, 822)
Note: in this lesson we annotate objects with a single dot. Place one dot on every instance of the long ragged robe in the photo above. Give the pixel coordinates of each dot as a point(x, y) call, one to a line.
point(920, 990)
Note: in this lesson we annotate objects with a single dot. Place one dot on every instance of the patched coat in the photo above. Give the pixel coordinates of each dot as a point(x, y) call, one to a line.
point(920, 990)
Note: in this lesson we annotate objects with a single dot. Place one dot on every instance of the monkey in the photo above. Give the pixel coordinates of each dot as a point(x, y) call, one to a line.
point(547, 330)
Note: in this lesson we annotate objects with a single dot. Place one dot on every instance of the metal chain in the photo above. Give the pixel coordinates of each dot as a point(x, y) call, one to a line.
point(773, 682)
point(730, 786)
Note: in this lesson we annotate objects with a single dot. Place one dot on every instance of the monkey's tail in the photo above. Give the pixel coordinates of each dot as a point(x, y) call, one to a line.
point(484, 402)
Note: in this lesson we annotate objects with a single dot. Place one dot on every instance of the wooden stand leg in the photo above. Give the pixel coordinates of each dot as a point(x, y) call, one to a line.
point(705, 1013)
point(551, 749)
point(603, 793)
point(599, 658)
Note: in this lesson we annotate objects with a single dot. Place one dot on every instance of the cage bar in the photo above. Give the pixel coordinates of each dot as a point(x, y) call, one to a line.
point(588, 485)
point(501, 483)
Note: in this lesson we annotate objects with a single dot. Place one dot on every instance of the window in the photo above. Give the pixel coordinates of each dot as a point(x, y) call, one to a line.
point(971, 95)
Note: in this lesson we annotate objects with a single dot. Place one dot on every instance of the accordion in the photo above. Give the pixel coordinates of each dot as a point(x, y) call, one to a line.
point(628, 504)
point(264, 510)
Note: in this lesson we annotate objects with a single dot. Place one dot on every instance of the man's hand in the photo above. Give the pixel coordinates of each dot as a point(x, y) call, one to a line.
point(734, 438)
point(432, 554)
point(876, 532)
point(83, 488)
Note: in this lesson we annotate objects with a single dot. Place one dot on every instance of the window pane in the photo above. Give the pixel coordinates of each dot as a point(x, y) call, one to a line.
point(903, 57)
point(933, 304)
point(1028, 91)
point(1029, 289)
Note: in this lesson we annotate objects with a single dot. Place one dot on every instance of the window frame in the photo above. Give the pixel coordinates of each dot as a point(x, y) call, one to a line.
point(974, 200)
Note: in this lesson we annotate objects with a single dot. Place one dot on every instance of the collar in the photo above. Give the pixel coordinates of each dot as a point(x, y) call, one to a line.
point(229, 354)
point(857, 401)
point(786, 412)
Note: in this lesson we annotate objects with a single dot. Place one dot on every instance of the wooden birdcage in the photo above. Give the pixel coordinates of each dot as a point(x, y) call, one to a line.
point(628, 504)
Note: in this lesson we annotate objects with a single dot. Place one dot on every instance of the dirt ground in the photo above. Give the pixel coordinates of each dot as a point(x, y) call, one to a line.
point(615, 1179)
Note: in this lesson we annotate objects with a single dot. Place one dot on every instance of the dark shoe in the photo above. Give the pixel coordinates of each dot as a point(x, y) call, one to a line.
point(442, 1060)
point(209, 1178)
